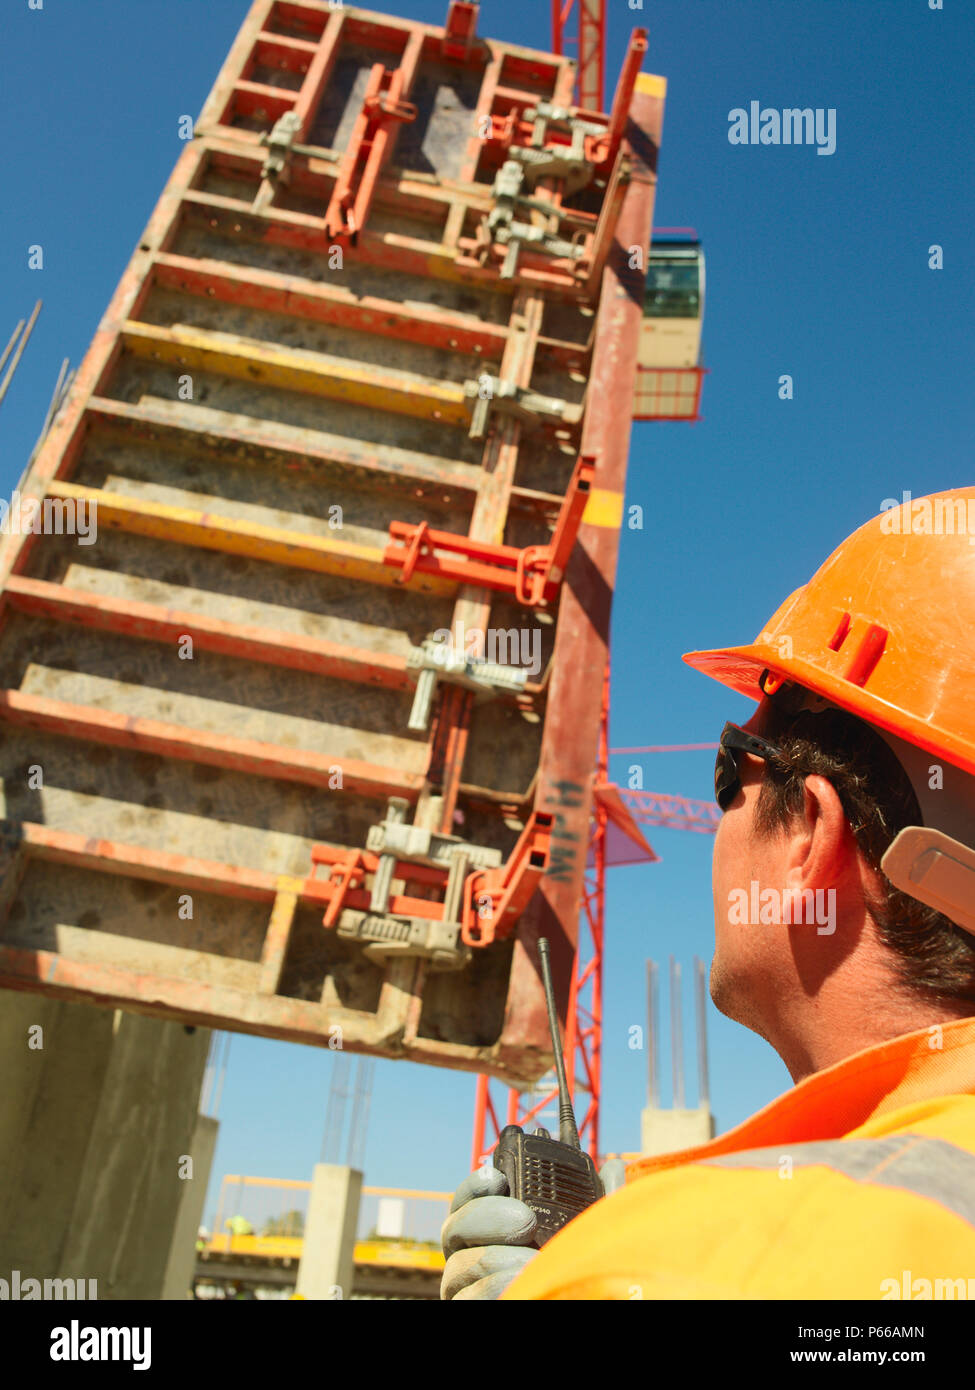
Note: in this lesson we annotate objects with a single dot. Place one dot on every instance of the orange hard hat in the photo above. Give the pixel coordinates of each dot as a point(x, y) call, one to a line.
point(884, 629)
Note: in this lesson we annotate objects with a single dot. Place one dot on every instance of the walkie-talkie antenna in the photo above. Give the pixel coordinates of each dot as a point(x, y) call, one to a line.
point(568, 1133)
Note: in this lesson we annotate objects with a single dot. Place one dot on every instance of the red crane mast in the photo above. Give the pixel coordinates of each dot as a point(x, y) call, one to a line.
point(582, 24)
point(589, 38)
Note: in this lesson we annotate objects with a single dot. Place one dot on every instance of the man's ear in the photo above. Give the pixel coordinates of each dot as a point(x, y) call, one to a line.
point(817, 857)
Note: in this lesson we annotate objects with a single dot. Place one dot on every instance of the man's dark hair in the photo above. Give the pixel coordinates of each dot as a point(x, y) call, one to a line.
point(935, 958)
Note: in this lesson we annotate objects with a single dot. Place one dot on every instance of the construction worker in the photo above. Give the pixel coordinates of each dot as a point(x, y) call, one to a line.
point(844, 901)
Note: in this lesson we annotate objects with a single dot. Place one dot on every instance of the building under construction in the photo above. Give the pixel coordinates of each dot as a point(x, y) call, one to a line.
point(302, 704)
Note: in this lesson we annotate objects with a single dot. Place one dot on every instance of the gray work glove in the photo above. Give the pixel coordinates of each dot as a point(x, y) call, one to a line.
point(487, 1235)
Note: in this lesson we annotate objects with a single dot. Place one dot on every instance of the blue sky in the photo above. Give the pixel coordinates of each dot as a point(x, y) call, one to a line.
point(817, 267)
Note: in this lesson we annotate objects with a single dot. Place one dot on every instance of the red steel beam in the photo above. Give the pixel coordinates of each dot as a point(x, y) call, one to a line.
point(135, 861)
point(218, 750)
point(380, 468)
point(319, 73)
point(256, 288)
point(406, 72)
point(388, 250)
point(623, 96)
point(133, 619)
point(211, 876)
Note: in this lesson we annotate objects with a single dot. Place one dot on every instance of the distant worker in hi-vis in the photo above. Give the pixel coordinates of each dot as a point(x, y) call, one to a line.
point(844, 908)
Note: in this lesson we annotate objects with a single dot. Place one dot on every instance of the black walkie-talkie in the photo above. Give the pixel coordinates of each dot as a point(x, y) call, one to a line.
point(552, 1176)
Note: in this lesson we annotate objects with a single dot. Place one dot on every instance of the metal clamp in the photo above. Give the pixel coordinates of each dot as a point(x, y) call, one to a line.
point(435, 660)
point(543, 114)
point(501, 227)
point(483, 895)
point(515, 235)
point(531, 407)
point(386, 938)
point(280, 143)
point(416, 845)
point(574, 163)
point(554, 163)
point(395, 841)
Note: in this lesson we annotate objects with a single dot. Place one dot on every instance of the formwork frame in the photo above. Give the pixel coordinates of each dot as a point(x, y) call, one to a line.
point(353, 190)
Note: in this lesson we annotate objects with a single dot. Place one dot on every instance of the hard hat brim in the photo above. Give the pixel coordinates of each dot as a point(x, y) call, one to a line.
point(740, 668)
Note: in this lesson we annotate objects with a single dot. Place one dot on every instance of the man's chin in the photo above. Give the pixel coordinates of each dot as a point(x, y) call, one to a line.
point(722, 992)
point(731, 997)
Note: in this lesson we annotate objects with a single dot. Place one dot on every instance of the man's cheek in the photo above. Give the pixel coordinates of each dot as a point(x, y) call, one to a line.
point(719, 858)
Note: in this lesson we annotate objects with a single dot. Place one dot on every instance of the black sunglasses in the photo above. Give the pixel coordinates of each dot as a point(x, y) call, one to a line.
point(727, 779)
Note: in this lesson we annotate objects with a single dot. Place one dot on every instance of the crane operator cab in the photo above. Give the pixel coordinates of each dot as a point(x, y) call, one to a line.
point(668, 380)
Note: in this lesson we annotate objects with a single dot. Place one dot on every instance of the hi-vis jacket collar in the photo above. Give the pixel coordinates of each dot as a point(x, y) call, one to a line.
point(934, 1061)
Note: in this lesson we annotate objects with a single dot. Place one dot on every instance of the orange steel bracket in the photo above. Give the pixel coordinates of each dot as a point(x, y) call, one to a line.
point(348, 872)
point(623, 96)
point(530, 575)
point(600, 149)
point(513, 128)
point(494, 899)
point(460, 29)
point(359, 170)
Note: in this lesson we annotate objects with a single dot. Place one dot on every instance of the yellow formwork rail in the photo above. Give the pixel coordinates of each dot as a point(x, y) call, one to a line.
point(210, 531)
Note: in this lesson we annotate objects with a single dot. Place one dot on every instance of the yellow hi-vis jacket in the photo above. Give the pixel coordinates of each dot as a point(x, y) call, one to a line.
point(857, 1184)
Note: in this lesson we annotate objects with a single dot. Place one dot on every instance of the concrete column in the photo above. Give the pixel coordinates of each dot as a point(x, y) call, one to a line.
point(54, 1058)
point(326, 1268)
point(141, 1134)
point(94, 1128)
point(668, 1131)
point(178, 1281)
